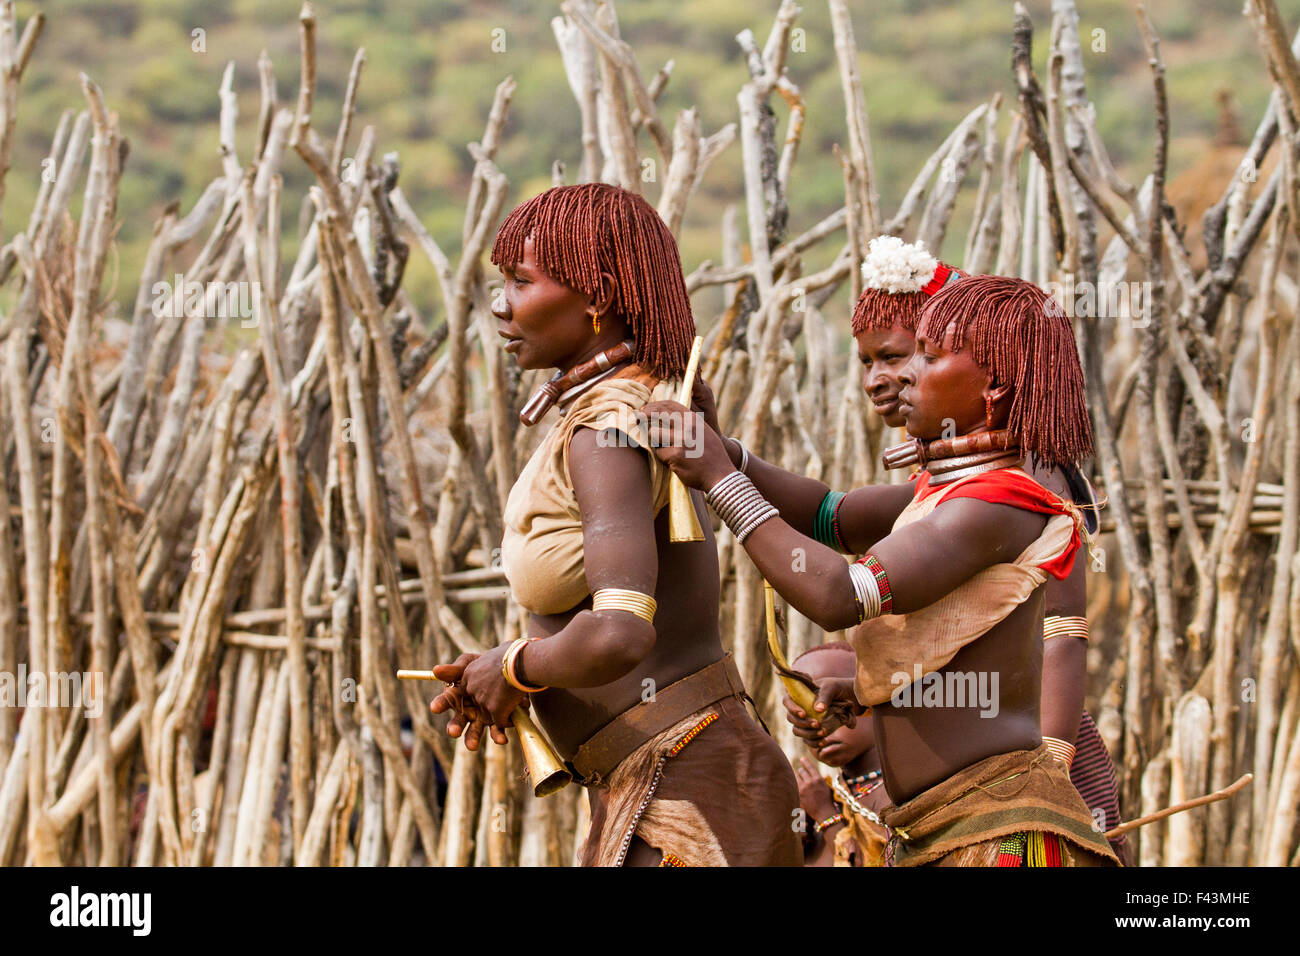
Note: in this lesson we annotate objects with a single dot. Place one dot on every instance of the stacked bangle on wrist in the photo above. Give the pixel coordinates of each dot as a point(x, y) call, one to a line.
point(739, 504)
point(1057, 626)
point(508, 666)
point(744, 455)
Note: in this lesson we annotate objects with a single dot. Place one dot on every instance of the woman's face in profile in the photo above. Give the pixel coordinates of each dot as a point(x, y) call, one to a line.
point(543, 323)
point(943, 391)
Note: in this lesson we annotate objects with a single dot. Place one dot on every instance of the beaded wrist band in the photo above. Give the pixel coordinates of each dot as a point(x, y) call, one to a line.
point(821, 825)
point(826, 523)
point(739, 504)
point(1061, 748)
point(508, 666)
point(621, 599)
point(1057, 626)
point(882, 583)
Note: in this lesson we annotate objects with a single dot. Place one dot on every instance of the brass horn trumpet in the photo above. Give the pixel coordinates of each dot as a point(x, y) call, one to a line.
point(544, 765)
point(801, 688)
point(683, 523)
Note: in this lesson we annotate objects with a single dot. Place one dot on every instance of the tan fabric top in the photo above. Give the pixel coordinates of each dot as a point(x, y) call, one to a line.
point(889, 647)
point(541, 550)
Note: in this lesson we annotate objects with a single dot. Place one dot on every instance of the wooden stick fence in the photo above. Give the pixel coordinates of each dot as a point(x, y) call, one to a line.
point(219, 550)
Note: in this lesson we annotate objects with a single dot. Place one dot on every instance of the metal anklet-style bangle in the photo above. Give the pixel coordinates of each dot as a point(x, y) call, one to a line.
point(1060, 748)
point(739, 504)
point(865, 590)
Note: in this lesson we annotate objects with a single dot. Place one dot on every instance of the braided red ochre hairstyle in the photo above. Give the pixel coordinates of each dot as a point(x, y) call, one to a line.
point(1021, 336)
point(580, 231)
point(878, 310)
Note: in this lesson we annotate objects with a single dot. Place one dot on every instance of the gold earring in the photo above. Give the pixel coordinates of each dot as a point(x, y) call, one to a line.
point(595, 321)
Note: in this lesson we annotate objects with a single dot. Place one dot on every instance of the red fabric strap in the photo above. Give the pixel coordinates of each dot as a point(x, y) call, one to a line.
point(1010, 486)
point(941, 273)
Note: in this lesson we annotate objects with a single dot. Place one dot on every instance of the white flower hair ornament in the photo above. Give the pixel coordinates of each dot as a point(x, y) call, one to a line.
point(894, 266)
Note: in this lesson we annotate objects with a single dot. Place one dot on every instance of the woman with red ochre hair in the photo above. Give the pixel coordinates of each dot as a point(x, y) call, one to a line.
point(898, 280)
point(623, 661)
point(948, 597)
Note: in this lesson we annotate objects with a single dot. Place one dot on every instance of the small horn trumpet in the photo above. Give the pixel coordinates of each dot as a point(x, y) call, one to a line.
point(683, 522)
point(801, 688)
point(803, 695)
point(544, 765)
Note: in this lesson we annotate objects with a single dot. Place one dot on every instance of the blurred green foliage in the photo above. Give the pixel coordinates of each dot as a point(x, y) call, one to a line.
point(432, 67)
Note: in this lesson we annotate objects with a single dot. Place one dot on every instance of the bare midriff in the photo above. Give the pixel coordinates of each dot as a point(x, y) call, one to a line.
point(687, 639)
point(921, 746)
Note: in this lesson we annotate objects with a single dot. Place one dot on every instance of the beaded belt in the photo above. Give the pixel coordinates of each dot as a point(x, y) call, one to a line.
point(608, 747)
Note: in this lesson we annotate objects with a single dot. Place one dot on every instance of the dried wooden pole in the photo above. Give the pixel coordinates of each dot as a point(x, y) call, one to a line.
point(249, 676)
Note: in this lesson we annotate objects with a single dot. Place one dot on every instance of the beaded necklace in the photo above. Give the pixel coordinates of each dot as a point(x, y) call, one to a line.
point(864, 783)
point(851, 799)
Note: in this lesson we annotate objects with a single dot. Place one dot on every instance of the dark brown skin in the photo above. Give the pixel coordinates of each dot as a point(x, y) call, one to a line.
point(1065, 668)
point(596, 664)
point(943, 392)
point(884, 354)
point(850, 750)
point(869, 512)
point(1064, 664)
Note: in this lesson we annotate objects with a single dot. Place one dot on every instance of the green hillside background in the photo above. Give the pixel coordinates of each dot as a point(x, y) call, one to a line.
point(431, 71)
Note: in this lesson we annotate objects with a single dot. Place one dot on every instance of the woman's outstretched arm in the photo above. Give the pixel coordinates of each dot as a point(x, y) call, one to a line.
point(923, 561)
point(865, 516)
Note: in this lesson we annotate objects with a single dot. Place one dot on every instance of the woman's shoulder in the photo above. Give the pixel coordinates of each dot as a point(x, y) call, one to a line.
point(632, 384)
point(615, 402)
point(612, 409)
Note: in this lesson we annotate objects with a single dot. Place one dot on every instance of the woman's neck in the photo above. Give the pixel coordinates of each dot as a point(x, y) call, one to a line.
point(602, 343)
point(865, 762)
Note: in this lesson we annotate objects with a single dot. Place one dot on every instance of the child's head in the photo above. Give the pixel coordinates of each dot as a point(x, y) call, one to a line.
point(843, 745)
